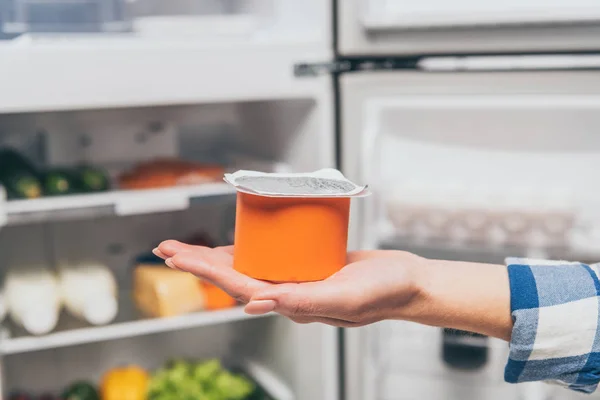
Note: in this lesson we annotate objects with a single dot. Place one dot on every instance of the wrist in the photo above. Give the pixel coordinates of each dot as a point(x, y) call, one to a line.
point(467, 296)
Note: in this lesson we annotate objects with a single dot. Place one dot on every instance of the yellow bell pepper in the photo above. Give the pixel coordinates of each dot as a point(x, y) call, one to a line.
point(125, 383)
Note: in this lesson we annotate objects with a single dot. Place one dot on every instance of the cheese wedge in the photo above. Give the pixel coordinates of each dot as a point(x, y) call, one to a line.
point(159, 291)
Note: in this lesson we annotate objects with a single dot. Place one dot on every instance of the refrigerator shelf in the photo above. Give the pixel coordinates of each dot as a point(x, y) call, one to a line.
point(90, 72)
point(580, 244)
point(120, 203)
point(129, 323)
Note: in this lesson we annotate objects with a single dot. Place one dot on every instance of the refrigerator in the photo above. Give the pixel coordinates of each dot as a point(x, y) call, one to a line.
point(473, 124)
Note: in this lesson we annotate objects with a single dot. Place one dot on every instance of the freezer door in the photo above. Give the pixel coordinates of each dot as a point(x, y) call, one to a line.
point(467, 26)
point(466, 160)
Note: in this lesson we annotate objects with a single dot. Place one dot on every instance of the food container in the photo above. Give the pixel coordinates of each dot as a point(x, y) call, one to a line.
point(292, 227)
point(33, 298)
point(89, 291)
point(215, 298)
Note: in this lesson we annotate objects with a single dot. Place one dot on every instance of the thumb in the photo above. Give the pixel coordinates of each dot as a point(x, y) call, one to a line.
point(303, 299)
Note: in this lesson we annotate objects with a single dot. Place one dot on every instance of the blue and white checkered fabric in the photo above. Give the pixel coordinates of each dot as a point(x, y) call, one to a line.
point(556, 334)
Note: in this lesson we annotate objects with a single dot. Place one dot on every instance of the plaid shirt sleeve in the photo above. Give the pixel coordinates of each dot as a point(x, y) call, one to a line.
point(556, 333)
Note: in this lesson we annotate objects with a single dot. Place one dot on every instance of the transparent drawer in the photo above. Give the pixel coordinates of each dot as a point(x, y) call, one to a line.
point(193, 17)
point(159, 19)
point(44, 16)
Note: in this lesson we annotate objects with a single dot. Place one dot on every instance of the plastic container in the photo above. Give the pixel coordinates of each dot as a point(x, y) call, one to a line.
point(56, 16)
point(33, 298)
point(89, 292)
point(292, 227)
point(215, 298)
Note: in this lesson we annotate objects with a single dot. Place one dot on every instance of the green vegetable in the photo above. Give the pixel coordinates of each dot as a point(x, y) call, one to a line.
point(90, 179)
point(20, 185)
point(203, 381)
point(11, 159)
point(18, 176)
point(57, 182)
point(232, 387)
point(81, 391)
point(207, 370)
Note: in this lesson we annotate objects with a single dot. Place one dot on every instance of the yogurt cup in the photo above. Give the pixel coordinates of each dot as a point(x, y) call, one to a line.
point(292, 227)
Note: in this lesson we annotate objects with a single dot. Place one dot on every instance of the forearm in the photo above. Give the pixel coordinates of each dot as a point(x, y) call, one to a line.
point(547, 309)
point(467, 296)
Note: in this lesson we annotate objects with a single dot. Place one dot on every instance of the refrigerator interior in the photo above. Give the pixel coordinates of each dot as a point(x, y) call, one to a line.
point(115, 227)
point(465, 166)
point(393, 27)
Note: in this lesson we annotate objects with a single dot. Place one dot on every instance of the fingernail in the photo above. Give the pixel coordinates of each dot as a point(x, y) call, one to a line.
point(170, 263)
point(258, 307)
point(156, 252)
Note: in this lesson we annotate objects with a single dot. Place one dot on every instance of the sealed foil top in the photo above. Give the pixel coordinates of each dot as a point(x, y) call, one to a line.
point(322, 183)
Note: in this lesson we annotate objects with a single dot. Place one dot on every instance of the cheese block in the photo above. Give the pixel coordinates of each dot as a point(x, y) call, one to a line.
point(159, 291)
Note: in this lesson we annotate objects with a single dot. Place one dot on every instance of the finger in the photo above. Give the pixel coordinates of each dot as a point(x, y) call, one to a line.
point(171, 247)
point(204, 255)
point(159, 253)
point(260, 307)
point(340, 323)
point(216, 267)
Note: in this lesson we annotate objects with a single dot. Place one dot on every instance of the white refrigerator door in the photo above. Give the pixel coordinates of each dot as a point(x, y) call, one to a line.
point(467, 26)
point(414, 137)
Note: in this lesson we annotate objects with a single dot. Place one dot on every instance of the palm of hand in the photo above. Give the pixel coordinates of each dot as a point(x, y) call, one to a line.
point(368, 289)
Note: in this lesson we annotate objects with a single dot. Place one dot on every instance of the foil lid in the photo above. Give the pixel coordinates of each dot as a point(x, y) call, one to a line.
point(322, 183)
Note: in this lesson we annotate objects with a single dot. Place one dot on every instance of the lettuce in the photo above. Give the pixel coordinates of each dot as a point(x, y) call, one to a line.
point(198, 381)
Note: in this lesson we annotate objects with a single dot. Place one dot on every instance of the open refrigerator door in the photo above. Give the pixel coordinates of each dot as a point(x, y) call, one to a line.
point(473, 167)
point(474, 123)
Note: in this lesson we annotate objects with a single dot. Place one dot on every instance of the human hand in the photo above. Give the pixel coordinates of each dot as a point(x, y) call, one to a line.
point(373, 286)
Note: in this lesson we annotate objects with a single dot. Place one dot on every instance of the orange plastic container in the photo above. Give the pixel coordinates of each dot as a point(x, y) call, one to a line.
point(215, 298)
point(290, 239)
